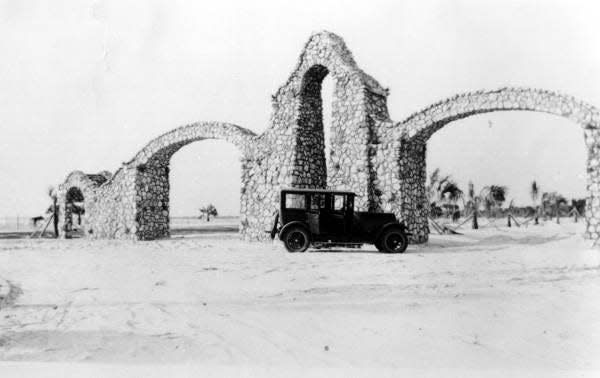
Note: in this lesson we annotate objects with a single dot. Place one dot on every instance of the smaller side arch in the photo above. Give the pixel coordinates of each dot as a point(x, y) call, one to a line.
point(150, 168)
point(171, 141)
point(73, 197)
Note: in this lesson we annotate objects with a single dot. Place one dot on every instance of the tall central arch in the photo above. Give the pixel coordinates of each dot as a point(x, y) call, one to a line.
point(358, 103)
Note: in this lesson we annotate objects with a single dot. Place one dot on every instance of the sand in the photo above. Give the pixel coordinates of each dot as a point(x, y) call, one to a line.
point(521, 301)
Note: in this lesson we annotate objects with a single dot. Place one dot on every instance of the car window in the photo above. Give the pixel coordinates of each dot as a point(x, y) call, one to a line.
point(339, 202)
point(295, 201)
point(317, 201)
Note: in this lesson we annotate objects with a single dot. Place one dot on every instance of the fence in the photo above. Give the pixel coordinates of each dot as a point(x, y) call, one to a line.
point(18, 224)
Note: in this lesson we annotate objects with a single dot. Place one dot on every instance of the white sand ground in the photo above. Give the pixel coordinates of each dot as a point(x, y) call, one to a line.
point(522, 300)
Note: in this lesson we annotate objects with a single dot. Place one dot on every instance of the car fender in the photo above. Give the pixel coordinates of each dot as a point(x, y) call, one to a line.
point(274, 230)
point(291, 224)
point(387, 226)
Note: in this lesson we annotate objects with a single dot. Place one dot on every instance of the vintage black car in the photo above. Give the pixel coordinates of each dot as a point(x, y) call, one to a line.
point(326, 218)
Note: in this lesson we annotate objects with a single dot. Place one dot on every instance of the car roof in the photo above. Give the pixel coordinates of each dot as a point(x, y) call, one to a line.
point(297, 190)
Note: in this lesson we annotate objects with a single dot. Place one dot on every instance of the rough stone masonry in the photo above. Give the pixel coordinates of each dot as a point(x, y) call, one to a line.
point(381, 160)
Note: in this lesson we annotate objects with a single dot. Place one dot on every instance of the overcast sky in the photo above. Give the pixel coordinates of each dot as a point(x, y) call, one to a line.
point(85, 84)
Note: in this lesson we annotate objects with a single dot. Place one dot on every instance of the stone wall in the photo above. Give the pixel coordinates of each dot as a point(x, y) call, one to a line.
point(110, 212)
point(382, 161)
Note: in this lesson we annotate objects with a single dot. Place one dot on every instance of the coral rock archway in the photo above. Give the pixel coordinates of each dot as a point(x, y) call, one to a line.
point(381, 160)
point(411, 135)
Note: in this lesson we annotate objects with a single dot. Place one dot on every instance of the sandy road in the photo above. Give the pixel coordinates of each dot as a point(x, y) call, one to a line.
point(485, 300)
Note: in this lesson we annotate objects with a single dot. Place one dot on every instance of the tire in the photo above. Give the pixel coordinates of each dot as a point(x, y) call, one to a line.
point(378, 245)
point(393, 240)
point(296, 239)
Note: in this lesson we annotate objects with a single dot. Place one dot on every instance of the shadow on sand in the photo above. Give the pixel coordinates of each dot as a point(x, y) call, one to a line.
point(473, 243)
point(101, 345)
point(217, 229)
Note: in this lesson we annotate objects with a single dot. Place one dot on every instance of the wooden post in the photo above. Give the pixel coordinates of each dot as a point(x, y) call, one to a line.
point(44, 229)
point(515, 220)
point(47, 224)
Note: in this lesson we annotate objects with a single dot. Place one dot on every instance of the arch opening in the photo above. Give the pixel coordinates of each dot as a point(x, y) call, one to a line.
point(155, 218)
point(417, 129)
point(74, 217)
point(327, 100)
point(204, 188)
point(511, 150)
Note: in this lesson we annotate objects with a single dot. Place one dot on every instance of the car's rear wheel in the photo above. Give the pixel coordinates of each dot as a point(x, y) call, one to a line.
point(393, 240)
point(296, 239)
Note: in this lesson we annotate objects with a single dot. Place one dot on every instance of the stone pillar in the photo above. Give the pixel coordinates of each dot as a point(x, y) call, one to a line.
point(152, 199)
point(67, 226)
point(61, 204)
point(412, 199)
point(592, 204)
point(257, 200)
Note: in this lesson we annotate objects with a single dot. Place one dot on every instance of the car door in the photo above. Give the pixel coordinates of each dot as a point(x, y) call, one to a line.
point(333, 217)
point(313, 214)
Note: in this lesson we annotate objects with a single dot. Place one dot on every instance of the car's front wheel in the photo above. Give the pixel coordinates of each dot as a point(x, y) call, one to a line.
point(393, 240)
point(296, 239)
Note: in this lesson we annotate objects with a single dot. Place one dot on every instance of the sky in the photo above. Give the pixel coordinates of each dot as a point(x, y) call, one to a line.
point(85, 84)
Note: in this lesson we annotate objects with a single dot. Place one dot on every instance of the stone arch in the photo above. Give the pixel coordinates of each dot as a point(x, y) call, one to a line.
point(297, 117)
point(414, 132)
point(421, 125)
point(77, 190)
point(179, 137)
point(151, 166)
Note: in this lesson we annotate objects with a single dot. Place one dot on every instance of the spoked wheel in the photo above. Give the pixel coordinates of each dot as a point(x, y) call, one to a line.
point(296, 239)
point(392, 241)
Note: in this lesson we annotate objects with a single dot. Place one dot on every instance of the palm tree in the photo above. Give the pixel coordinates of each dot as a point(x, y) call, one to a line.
point(208, 210)
point(433, 179)
point(473, 203)
point(451, 192)
point(53, 209)
point(487, 202)
point(535, 192)
point(496, 195)
point(435, 187)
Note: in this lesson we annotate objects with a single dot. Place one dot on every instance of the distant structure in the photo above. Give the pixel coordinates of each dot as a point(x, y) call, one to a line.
point(381, 160)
